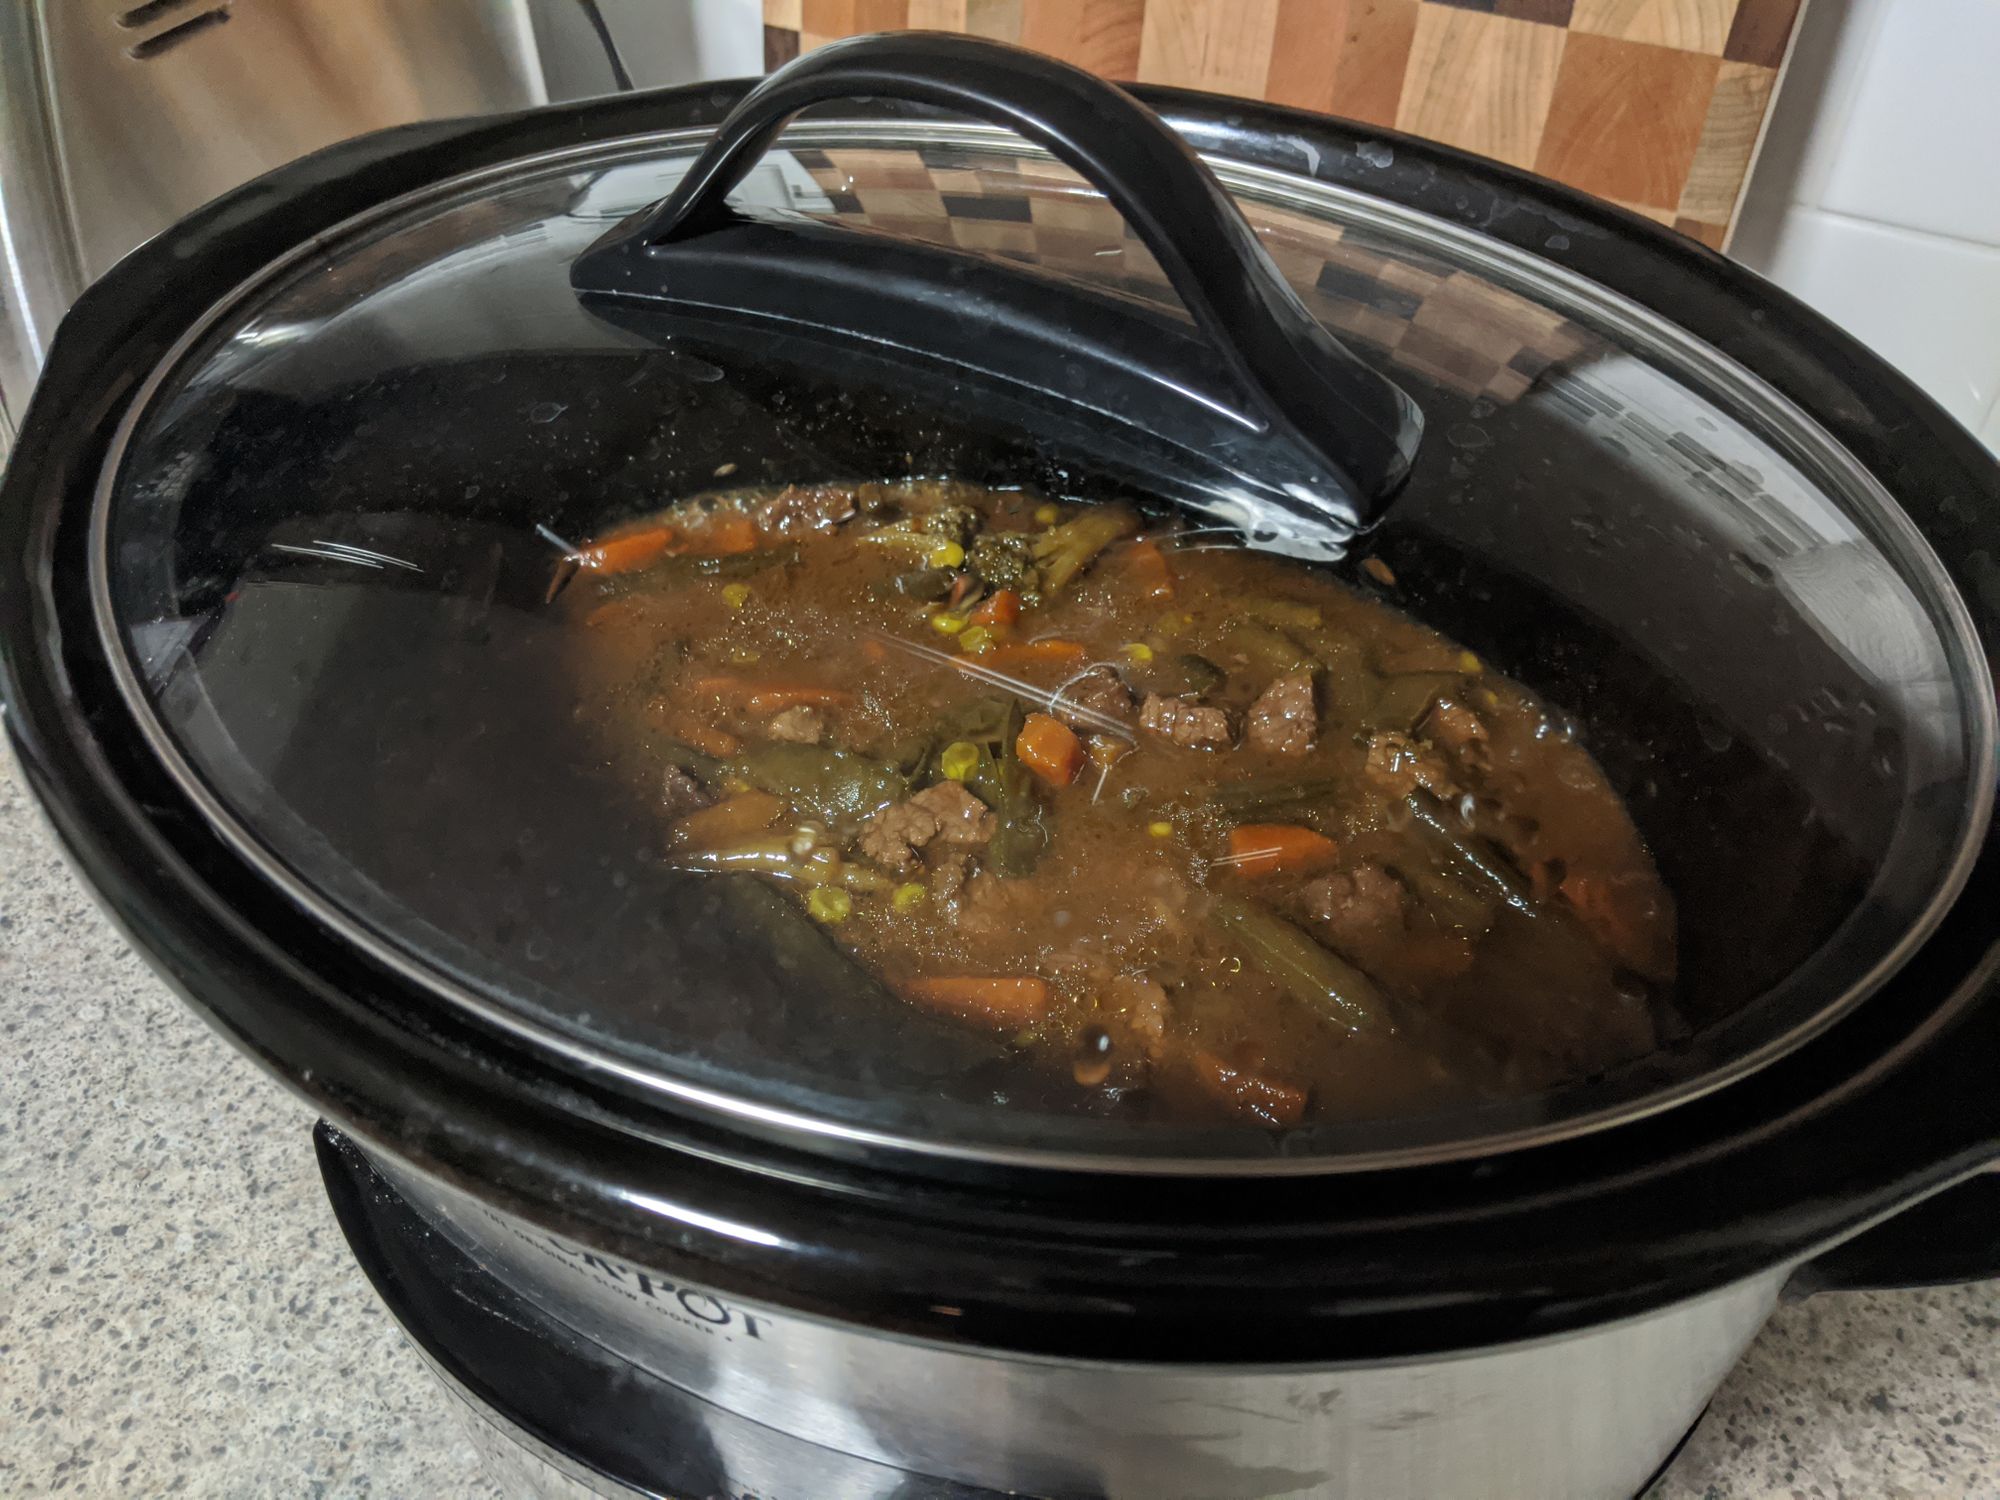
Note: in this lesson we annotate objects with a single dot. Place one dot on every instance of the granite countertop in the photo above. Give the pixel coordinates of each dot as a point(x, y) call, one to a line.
point(179, 1315)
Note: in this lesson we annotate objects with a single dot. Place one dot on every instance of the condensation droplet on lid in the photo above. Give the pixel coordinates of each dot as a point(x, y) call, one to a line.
point(1557, 242)
point(546, 411)
point(1376, 153)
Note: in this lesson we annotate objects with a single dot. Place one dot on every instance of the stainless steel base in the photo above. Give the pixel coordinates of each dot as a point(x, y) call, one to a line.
point(554, 1416)
point(764, 1396)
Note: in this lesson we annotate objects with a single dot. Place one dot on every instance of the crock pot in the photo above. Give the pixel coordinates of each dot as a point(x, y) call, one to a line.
point(275, 545)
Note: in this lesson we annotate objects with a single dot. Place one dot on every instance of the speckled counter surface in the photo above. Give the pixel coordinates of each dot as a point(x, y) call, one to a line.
point(179, 1315)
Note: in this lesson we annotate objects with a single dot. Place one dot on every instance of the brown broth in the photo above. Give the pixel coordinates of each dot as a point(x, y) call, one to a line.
point(1479, 989)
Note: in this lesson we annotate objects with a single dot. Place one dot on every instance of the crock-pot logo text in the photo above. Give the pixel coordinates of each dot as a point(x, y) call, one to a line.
point(684, 1304)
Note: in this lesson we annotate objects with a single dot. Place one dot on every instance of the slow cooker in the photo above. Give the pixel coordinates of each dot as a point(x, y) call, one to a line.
point(680, 1210)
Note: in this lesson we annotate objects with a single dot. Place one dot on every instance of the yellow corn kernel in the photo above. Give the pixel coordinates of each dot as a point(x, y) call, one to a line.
point(959, 760)
point(908, 895)
point(1048, 515)
point(1139, 651)
point(736, 595)
point(946, 623)
point(1161, 829)
point(1469, 663)
point(947, 555)
point(829, 904)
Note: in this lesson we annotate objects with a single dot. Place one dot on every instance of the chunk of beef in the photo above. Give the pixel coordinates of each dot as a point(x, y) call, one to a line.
point(801, 724)
point(894, 835)
point(1285, 718)
point(948, 868)
point(1453, 725)
point(1358, 904)
point(1186, 723)
point(962, 820)
point(680, 793)
point(1399, 765)
point(1097, 691)
point(799, 509)
point(939, 818)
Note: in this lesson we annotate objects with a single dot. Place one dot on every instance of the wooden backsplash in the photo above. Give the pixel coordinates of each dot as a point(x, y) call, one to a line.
point(1654, 104)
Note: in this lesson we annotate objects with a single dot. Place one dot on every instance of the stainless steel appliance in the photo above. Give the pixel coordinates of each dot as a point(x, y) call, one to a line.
point(117, 118)
point(279, 659)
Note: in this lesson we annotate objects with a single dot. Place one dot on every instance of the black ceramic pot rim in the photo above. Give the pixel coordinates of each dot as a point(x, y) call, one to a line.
point(1442, 1257)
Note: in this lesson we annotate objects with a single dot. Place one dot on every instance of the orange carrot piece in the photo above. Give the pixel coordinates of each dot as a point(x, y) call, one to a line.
point(726, 536)
point(769, 697)
point(1279, 849)
point(1001, 607)
point(1620, 915)
point(727, 822)
point(1049, 653)
point(1050, 749)
point(1248, 1093)
point(1002, 1000)
point(707, 739)
point(630, 551)
point(612, 614)
point(1149, 569)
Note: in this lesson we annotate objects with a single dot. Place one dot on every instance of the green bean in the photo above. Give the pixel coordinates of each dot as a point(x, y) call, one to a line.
point(835, 786)
point(705, 768)
point(1465, 856)
point(1400, 701)
point(1268, 649)
point(1317, 978)
point(1181, 675)
point(1449, 896)
point(1256, 795)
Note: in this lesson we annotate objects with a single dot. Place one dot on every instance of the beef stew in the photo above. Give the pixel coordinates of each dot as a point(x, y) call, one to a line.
point(1193, 825)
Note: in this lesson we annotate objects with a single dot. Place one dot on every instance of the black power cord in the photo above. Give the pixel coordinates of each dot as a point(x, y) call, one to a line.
point(619, 74)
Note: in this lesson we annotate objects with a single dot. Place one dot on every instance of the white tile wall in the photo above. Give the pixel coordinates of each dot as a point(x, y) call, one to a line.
point(1877, 195)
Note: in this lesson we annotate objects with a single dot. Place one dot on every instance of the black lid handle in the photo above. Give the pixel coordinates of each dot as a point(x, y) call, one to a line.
point(1299, 377)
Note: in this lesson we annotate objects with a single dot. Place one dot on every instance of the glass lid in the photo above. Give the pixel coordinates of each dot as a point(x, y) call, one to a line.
point(858, 750)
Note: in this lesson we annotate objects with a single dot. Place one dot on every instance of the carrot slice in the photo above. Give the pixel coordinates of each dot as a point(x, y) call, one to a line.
point(1003, 1000)
point(726, 536)
point(1048, 653)
point(1001, 607)
point(769, 697)
point(728, 822)
point(707, 739)
point(1279, 849)
point(1149, 569)
point(1248, 1093)
point(1621, 915)
point(1050, 749)
point(629, 552)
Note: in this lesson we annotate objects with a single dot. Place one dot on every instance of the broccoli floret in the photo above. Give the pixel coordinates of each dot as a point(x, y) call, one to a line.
point(1006, 560)
point(958, 523)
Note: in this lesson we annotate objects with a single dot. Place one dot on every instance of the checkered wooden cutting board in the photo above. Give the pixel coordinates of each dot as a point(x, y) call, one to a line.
point(1449, 325)
point(1657, 105)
